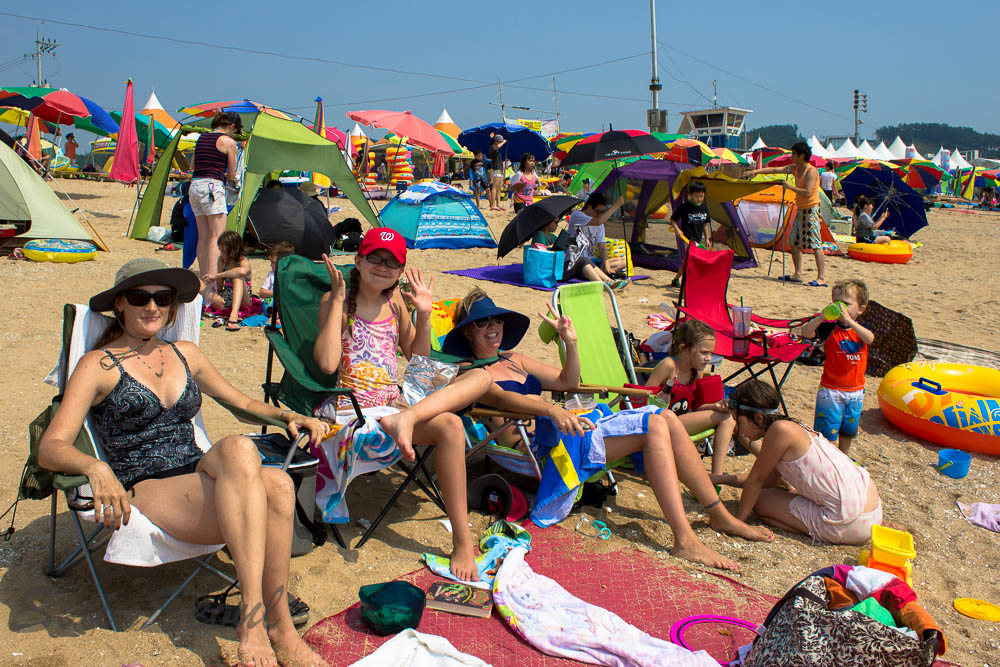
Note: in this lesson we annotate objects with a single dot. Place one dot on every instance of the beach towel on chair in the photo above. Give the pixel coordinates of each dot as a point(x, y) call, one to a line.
point(549, 618)
point(355, 449)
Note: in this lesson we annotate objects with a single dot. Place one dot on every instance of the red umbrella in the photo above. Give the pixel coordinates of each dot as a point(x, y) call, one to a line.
point(51, 104)
point(405, 124)
point(331, 133)
point(125, 167)
point(786, 159)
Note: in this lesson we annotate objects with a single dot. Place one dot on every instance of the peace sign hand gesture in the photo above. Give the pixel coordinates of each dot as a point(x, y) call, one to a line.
point(563, 326)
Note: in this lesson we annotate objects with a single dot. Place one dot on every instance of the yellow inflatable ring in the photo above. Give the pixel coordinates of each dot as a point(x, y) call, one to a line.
point(58, 250)
point(893, 252)
point(956, 405)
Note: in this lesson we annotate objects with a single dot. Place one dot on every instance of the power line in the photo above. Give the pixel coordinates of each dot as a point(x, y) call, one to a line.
point(753, 83)
point(684, 81)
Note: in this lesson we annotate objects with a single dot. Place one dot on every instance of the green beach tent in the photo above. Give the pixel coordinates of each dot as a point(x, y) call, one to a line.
point(274, 144)
point(25, 197)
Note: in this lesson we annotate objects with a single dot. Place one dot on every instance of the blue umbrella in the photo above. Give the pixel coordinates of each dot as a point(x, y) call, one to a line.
point(99, 118)
point(520, 140)
point(887, 191)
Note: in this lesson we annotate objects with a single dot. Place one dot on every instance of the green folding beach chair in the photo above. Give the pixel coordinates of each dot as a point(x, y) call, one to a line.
point(298, 286)
point(141, 543)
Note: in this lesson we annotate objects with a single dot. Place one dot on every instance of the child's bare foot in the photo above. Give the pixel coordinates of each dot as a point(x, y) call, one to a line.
point(291, 651)
point(399, 427)
point(255, 648)
point(695, 551)
point(724, 522)
point(463, 563)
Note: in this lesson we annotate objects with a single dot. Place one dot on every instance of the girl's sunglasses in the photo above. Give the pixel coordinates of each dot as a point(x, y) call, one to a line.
point(482, 324)
point(391, 262)
point(140, 297)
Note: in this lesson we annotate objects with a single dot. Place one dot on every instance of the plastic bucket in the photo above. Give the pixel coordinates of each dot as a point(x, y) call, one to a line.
point(954, 463)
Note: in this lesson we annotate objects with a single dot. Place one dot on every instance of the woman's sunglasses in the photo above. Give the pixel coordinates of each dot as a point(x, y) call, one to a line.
point(482, 324)
point(391, 262)
point(140, 297)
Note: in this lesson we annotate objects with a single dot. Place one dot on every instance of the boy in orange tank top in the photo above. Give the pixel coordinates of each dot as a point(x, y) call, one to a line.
point(841, 392)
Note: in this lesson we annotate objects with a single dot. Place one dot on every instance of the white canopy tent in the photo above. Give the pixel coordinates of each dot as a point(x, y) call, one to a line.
point(848, 150)
point(758, 144)
point(817, 147)
point(957, 161)
point(898, 148)
point(883, 153)
point(830, 150)
point(866, 151)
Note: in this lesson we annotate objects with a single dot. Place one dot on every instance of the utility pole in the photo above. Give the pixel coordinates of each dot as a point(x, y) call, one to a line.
point(860, 107)
point(715, 94)
point(500, 89)
point(555, 103)
point(42, 46)
point(656, 119)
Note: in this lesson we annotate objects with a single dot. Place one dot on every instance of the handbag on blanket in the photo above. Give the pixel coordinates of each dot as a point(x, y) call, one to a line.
point(802, 631)
point(542, 268)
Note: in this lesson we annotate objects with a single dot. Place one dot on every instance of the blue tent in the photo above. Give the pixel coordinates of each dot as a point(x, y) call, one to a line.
point(435, 215)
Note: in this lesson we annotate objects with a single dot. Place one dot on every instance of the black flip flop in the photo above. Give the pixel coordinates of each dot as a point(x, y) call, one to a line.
point(232, 326)
point(213, 610)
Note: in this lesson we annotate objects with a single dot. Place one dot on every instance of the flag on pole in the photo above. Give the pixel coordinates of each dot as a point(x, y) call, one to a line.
point(32, 138)
point(319, 126)
point(150, 141)
point(126, 160)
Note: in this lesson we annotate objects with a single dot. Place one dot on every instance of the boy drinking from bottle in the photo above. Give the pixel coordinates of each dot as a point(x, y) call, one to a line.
point(842, 388)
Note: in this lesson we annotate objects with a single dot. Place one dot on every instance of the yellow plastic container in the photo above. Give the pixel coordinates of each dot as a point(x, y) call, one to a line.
point(892, 547)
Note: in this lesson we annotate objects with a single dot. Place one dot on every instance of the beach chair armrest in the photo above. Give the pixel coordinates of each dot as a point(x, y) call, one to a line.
point(291, 362)
point(493, 413)
point(603, 391)
point(249, 416)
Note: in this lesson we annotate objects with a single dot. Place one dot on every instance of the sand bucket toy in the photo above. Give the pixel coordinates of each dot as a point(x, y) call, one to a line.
point(954, 463)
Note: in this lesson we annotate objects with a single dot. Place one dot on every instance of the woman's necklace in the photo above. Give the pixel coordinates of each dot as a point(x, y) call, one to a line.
point(163, 364)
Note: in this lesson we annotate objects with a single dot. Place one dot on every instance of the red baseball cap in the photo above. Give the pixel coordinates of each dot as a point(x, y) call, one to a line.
point(385, 239)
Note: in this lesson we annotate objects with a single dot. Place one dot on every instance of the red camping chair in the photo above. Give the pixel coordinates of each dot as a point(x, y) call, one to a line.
point(703, 297)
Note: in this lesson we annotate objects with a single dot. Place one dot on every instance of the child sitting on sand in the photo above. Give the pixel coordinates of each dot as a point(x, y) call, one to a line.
point(232, 280)
point(841, 392)
point(862, 223)
point(833, 499)
point(582, 267)
point(360, 330)
point(274, 253)
point(696, 398)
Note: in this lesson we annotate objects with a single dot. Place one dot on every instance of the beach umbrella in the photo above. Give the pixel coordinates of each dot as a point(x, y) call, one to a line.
point(161, 135)
point(150, 141)
point(525, 224)
point(920, 174)
point(726, 155)
point(887, 192)
point(418, 132)
point(319, 127)
point(563, 142)
point(786, 159)
point(690, 150)
point(99, 121)
point(450, 140)
point(125, 167)
point(283, 214)
point(49, 104)
point(520, 140)
point(248, 111)
point(33, 140)
point(614, 145)
point(20, 117)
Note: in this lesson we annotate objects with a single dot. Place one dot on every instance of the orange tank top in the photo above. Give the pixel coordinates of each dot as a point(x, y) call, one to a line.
point(846, 361)
point(809, 199)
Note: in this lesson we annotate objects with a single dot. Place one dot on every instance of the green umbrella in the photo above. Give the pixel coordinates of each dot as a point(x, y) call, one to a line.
point(162, 136)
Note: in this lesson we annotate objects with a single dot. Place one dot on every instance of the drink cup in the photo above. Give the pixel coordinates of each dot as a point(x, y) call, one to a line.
point(741, 327)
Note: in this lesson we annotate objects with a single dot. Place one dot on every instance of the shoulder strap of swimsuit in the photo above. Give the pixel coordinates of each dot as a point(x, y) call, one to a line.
point(183, 360)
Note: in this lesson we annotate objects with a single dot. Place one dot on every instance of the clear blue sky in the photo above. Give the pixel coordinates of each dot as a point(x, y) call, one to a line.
point(919, 61)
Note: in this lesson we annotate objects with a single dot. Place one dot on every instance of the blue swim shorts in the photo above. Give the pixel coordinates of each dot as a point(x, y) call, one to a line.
point(838, 412)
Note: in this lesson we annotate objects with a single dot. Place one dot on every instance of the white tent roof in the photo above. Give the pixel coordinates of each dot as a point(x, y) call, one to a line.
point(153, 102)
point(898, 148)
point(883, 152)
point(958, 161)
point(817, 147)
point(937, 157)
point(444, 117)
point(356, 131)
point(848, 150)
point(758, 144)
point(830, 150)
point(866, 151)
point(915, 154)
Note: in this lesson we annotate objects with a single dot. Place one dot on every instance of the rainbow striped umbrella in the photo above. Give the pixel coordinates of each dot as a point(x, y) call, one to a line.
point(690, 150)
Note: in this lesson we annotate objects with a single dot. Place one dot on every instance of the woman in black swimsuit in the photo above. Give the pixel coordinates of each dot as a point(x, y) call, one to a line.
point(142, 394)
point(482, 330)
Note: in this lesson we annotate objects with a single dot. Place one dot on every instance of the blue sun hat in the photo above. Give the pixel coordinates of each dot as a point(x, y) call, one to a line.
point(515, 325)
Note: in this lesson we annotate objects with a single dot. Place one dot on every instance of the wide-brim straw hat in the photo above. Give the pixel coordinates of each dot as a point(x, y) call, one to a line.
point(147, 271)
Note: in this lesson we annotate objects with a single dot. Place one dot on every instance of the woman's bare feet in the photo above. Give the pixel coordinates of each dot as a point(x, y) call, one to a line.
point(255, 647)
point(463, 562)
point(399, 427)
point(724, 522)
point(291, 651)
point(694, 550)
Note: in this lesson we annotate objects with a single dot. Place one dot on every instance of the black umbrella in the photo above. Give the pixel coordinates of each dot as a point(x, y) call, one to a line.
point(280, 214)
point(614, 145)
point(533, 218)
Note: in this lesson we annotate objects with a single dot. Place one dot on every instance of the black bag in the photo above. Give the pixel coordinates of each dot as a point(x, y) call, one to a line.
point(348, 232)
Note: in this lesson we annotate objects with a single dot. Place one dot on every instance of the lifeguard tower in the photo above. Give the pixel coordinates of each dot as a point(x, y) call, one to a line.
point(721, 127)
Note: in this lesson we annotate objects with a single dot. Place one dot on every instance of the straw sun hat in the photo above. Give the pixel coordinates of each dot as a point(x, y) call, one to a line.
point(147, 271)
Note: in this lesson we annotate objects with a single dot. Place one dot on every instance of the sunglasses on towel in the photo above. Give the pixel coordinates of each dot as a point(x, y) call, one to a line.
point(140, 297)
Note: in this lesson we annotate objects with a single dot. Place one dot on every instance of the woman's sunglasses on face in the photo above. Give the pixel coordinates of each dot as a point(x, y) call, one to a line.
point(140, 297)
point(482, 324)
point(390, 262)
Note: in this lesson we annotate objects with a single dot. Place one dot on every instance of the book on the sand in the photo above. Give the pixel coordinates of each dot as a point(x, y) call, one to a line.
point(459, 599)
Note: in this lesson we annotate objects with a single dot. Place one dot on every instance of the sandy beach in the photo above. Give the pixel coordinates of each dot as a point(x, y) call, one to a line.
point(947, 289)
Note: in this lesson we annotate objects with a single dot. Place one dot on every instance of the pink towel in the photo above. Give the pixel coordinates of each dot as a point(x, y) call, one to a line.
point(982, 514)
